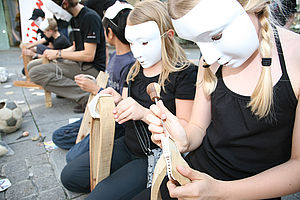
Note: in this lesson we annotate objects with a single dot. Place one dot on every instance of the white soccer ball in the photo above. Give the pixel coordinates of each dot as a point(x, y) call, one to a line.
point(11, 117)
point(3, 74)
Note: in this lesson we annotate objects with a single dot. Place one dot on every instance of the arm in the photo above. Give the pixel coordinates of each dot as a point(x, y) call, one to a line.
point(189, 137)
point(86, 55)
point(41, 41)
point(278, 181)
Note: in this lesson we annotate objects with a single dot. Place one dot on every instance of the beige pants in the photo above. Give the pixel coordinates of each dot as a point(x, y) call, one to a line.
point(58, 77)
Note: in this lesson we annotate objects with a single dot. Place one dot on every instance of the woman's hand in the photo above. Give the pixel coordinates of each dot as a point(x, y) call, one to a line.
point(129, 109)
point(202, 187)
point(86, 84)
point(117, 97)
point(173, 127)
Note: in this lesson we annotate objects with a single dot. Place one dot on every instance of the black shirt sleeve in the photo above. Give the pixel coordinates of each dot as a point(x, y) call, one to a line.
point(186, 83)
point(91, 29)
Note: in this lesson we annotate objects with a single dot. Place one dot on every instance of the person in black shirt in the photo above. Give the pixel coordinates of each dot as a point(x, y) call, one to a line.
point(243, 137)
point(52, 35)
point(159, 59)
point(100, 6)
point(85, 56)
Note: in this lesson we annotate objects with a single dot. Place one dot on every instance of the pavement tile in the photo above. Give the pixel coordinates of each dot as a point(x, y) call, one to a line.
point(25, 149)
point(20, 190)
point(14, 166)
point(40, 171)
point(46, 183)
point(32, 197)
point(53, 194)
point(58, 155)
point(37, 160)
point(16, 177)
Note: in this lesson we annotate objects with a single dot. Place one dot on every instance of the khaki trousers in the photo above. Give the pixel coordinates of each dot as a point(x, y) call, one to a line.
point(58, 77)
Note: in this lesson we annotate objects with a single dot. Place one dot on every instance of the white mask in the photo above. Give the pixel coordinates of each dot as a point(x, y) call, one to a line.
point(227, 18)
point(38, 21)
point(58, 11)
point(44, 25)
point(145, 42)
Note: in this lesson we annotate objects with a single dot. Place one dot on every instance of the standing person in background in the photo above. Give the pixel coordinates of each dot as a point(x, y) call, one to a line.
point(285, 13)
point(100, 6)
point(86, 56)
point(244, 133)
point(159, 59)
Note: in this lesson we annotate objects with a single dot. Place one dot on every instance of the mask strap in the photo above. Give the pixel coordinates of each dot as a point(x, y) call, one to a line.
point(164, 34)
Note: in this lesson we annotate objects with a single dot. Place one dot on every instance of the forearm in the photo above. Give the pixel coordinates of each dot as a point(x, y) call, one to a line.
point(195, 135)
point(79, 56)
point(41, 41)
point(278, 181)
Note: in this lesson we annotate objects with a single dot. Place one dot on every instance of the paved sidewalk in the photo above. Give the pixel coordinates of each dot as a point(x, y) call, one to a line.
point(33, 171)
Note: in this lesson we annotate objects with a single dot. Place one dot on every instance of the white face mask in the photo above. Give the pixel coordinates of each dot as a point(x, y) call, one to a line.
point(222, 29)
point(58, 11)
point(38, 21)
point(145, 42)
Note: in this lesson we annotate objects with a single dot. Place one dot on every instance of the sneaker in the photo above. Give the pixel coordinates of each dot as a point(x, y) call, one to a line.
point(79, 108)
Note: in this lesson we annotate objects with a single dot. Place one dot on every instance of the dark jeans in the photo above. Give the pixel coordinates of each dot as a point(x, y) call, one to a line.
point(128, 175)
point(65, 138)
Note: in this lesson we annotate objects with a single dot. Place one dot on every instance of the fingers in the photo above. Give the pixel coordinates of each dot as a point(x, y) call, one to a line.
point(189, 172)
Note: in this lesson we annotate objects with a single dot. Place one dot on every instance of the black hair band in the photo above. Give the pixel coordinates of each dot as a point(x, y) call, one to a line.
point(266, 61)
point(205, 65)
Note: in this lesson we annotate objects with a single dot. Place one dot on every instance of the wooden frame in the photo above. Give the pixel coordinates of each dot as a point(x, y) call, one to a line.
point(161, 169)
point(101, 141)
point(28, 84)
point(85, 126)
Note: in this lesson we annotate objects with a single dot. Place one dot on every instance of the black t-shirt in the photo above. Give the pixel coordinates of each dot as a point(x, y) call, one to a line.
point(87, 28)
point(100, 5)
point(61, 42)
point(181, 85)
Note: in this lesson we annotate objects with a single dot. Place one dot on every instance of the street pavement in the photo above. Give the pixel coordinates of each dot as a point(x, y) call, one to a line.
point(33, 170)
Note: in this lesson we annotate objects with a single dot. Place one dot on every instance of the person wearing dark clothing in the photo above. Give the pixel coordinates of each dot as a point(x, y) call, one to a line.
point(134, 155)
point(86, 56)
point(100, 6)
point(243, 137)
point(118, 66)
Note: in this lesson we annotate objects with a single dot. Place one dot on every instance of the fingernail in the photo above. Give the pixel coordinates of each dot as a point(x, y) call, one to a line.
point(163, 116)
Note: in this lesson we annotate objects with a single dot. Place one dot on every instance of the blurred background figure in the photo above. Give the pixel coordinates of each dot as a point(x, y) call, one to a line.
point(286, 14)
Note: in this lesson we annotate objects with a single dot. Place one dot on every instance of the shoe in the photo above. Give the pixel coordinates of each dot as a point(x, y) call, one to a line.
point(79, 108)
point(59, 97)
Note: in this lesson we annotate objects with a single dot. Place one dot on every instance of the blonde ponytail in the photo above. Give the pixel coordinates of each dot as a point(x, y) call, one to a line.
point(262, 96)
point(209, 80)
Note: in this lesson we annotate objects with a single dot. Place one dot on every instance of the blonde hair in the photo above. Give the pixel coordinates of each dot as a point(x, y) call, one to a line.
point(262, 96)
point(52, 24)
point(172, 53)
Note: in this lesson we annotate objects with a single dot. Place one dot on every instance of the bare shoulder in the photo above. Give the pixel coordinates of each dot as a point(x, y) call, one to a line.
point(290, 42)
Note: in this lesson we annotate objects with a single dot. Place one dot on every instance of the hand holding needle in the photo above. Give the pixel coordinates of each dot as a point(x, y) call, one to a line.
point(153, 90)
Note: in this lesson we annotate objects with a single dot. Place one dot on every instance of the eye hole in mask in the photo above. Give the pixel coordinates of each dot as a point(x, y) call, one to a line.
point(217, 37)
point(145, 43)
